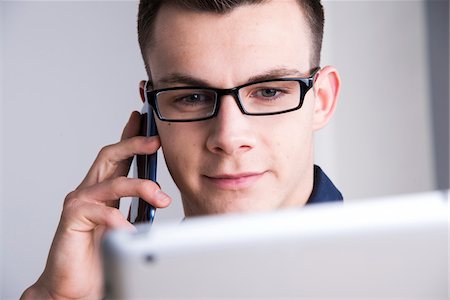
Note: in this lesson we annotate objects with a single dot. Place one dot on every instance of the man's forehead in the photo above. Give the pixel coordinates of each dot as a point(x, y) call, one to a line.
point(191, 23)
point(265, 40)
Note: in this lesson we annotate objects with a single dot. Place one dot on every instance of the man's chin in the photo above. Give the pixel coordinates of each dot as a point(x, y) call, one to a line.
point(259, 197)
point(235, 206)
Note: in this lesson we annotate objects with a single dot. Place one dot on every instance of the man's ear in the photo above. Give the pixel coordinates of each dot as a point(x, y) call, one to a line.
point(142, 90)
point(326, 89)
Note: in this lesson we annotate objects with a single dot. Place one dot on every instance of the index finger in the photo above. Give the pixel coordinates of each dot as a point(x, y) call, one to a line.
point(132, 127)
point(114, 159)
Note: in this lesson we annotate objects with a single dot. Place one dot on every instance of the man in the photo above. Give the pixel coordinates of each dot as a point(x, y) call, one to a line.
point(228, 150)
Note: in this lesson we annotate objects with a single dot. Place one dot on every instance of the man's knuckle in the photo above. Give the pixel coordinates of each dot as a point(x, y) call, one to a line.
point(70, 198)
point(135, 142)
point(119, 181)
point(147, 188)
point(105, 152)
point(113, 213)
point(71, 206)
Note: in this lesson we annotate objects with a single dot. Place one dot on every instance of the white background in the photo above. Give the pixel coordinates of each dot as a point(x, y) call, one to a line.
point(69, 80)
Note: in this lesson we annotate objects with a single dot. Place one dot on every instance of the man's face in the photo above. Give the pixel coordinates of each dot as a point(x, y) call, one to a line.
point(235, 162)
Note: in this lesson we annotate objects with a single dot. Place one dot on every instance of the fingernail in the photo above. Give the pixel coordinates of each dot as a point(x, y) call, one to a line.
point(161, 196)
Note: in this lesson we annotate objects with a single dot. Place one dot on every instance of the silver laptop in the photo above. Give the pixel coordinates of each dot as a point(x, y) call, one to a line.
point(369, 249)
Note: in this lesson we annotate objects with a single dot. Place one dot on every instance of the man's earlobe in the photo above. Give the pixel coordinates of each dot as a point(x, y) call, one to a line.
point(142, 90)
point(326, 88)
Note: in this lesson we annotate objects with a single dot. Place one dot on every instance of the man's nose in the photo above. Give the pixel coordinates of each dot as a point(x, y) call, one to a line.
point(230, 131)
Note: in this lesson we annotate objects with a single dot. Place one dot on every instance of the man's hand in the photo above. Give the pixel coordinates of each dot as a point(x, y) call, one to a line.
point(73, 267)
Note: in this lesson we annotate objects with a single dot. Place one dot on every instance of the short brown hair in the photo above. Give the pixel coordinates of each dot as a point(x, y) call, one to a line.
point(148, 9)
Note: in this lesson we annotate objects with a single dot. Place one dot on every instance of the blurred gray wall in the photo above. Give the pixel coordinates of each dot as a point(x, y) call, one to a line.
point(2, 195)
point(437, 13)
point(70, 80)
point(390, 134)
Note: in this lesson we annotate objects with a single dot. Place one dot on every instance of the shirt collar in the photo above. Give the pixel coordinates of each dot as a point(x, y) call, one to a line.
point(323, 189)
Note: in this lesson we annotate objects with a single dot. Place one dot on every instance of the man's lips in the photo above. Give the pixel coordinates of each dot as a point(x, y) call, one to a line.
point(234, 181)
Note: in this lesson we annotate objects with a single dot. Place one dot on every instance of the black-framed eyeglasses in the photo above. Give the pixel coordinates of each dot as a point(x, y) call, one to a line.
point(262, 98)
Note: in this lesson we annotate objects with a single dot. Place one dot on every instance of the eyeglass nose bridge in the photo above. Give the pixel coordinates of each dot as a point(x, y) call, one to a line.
point(234, 92)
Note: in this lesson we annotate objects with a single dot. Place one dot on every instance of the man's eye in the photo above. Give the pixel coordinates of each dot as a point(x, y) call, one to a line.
point(268, 94)
point(193, 99)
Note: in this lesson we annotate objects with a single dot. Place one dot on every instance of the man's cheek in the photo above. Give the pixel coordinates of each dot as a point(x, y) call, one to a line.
point(180, 160)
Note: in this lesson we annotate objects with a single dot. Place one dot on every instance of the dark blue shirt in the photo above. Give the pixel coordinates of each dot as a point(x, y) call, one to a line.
point(323, 189)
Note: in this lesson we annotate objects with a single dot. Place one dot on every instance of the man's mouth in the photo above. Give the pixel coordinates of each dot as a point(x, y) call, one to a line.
point(234, 181)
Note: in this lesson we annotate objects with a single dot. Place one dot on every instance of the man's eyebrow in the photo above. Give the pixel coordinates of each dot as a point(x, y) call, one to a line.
point(184, 79)
point(276, 73)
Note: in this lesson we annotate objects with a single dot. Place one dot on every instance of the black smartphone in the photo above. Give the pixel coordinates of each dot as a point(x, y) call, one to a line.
point(141, 211)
